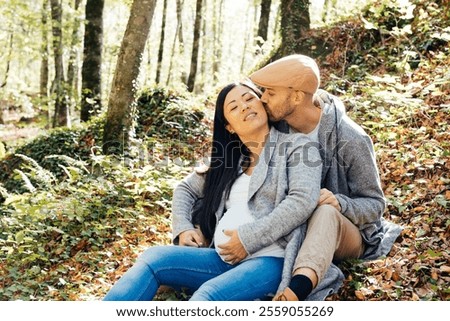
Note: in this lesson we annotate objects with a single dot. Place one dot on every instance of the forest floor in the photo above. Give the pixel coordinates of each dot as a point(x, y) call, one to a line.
point(404, 106)
point(12, 134)
point(16, 128)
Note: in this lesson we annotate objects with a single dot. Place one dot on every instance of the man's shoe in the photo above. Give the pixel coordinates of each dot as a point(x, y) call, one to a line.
point(286, 295)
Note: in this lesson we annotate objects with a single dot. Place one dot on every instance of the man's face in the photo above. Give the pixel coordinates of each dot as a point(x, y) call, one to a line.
point(277, 102)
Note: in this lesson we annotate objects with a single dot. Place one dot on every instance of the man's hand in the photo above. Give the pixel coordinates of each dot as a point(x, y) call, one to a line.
point(193, 238)
point(321, 97)
point(327, 197)
point(233, 251)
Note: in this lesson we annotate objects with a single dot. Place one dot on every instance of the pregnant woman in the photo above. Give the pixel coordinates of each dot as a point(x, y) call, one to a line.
point(260, 187)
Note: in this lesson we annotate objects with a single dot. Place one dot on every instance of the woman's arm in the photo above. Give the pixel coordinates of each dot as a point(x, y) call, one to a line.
point(187, 192)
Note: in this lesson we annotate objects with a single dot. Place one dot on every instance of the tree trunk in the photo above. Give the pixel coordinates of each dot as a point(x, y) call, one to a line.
point(72, 69)
point(161, 43)
point(249, 32)
point(179, 5)
point(118, 128)
point(295, 22)
point(91, 85)
point(8, 61)
point(204, 46)
point(44, 51)
point(218, 27)
point(263, 26)
point(195, 46)
point(61, 116)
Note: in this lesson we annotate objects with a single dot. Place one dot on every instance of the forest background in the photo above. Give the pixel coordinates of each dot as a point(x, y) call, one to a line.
point(106, 105)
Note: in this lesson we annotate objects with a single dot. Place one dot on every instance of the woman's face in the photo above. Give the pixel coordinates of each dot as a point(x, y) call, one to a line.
point(244, 111)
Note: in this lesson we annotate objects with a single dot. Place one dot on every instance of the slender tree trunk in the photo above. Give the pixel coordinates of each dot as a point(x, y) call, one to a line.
point(195, 46)
point(72, 69)
point(91, 85)
point(119, 118)
point(179, 5)
point(61, 116)
point(44, 51)
point(263, 26)
point(161, 43)
point(8, 61)
point(249, 36)
point(217, 39)
point(203, 49)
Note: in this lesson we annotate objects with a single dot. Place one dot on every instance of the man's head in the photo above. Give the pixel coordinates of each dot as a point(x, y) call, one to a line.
point(287, 83)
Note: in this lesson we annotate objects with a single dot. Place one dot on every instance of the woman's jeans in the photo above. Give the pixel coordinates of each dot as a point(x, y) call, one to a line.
point(200, 270)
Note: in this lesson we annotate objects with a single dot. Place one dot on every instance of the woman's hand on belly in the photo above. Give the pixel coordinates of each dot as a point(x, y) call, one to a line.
point(232, 251)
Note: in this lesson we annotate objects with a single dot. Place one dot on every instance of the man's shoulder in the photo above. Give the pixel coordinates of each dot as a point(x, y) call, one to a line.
point(350, 129)
point(347, 127)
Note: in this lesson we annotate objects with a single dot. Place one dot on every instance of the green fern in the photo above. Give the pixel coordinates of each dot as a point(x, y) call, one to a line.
point(3, 192)
point(37, 172)
point(27, 182)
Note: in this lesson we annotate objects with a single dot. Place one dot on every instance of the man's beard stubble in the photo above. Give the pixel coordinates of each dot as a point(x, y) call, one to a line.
point(269, 114)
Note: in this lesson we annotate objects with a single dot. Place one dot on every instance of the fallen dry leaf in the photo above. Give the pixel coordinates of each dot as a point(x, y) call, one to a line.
point(445, 268)
point(360, 295)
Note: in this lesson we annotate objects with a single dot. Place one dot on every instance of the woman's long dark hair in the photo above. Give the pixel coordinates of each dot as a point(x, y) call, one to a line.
point(227, 155)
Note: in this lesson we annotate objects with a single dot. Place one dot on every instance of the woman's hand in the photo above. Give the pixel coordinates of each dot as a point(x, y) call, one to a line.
point(193, 238)
point(233, 251)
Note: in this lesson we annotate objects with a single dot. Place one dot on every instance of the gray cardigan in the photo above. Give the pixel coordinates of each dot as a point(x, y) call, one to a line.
point(284, 190)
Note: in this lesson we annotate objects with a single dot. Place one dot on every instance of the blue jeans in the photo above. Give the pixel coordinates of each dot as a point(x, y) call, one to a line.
point(200, 270)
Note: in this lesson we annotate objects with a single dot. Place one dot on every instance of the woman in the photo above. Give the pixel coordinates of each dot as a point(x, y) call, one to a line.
point(260, 185)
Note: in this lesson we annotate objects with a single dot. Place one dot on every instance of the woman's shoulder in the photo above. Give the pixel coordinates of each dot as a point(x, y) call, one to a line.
point(201, 169)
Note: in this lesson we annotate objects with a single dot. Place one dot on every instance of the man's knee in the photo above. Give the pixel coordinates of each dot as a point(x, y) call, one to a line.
point(326, 214)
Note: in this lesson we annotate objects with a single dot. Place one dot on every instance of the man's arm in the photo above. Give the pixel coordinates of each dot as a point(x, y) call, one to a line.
point(366, 202)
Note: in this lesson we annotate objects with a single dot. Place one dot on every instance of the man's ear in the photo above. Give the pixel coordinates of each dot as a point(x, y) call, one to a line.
point(299, 96)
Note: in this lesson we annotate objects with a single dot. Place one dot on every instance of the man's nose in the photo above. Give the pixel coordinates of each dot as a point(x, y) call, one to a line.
point(263, 98)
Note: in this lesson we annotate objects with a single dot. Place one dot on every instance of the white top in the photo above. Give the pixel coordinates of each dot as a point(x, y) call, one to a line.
point(237, 213)
point(313, 135)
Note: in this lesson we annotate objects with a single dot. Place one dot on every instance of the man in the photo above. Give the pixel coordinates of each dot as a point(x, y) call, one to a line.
point(347, 222)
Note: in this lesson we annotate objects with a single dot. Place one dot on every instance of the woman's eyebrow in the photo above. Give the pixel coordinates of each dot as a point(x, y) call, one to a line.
point(233, 101)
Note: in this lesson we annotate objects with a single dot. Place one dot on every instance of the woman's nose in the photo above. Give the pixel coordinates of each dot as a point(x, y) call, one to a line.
point(244, 107)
